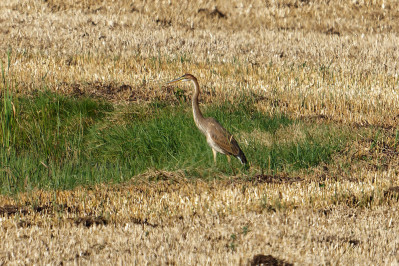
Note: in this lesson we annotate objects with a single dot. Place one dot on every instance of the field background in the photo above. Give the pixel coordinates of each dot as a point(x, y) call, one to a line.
point(329, 67)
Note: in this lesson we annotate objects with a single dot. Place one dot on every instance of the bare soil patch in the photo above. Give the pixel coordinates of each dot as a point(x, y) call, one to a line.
point(269, 260)
point(90, 220)
point(276, 179)
point(11, 209)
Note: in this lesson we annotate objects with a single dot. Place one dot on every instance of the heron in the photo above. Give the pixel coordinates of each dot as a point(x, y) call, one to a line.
point(217, 137)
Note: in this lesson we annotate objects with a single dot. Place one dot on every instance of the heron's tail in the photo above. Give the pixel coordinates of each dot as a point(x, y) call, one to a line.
point(242, 158)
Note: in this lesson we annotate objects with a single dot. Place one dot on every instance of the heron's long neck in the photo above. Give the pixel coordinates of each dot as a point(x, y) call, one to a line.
point(198, 117)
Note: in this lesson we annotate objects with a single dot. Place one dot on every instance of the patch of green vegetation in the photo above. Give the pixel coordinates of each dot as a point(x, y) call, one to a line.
point(50, 123)
point(246, 118)
point(59, 142)
point(48, 139)
point(295, 155)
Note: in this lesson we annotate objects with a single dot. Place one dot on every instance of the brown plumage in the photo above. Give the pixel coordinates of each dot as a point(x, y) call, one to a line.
point(217, 136)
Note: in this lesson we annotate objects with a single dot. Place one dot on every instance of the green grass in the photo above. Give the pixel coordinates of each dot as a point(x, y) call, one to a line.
point(294, 156)
point(59, 142)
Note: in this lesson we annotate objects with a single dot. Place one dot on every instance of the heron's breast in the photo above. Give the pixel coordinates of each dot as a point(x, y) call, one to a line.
point(200, 126)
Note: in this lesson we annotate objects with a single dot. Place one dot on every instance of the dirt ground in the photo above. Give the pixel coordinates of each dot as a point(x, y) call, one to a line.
point(331, 61)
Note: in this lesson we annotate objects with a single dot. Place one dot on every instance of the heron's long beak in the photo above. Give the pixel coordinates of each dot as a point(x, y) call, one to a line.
point(175, 80)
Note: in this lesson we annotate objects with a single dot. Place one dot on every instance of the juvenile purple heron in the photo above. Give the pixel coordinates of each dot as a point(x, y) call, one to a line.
point(217, 136)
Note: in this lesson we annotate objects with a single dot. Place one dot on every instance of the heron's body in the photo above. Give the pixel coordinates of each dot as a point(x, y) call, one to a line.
point(217, 136)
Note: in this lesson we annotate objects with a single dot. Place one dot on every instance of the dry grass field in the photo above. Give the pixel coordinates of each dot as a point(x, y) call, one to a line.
point(320, 62)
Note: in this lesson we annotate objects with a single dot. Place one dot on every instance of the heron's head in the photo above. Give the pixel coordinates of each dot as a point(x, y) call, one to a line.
point(185, 77)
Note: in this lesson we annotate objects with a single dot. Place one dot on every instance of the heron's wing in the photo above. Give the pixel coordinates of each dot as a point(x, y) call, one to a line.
point(222, 138)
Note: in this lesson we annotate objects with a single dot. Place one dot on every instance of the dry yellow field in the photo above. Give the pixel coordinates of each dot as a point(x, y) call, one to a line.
point(322, 61)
